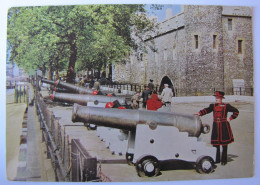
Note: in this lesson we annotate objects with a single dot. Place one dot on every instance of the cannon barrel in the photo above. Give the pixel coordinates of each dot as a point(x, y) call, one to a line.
point(56, 89)
point(83, 99)
point(48, 81)
point(60, 90)
point(130, 118)
point(73, 88)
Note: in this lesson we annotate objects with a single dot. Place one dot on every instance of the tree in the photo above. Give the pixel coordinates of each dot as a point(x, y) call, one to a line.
point(31, 38)
point(59, 37)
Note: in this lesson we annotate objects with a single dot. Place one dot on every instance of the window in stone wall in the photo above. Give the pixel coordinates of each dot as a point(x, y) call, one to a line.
point(156, 58)
point(214, 42)
point(174, 52)
point(229, 24)
point(239, 46)
point(165, 54)
point(141, 56)
point(196, 41)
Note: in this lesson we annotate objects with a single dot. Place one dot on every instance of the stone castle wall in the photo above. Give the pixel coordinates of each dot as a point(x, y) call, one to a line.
point(205, 63)
point(213, 64)
point(238, 65)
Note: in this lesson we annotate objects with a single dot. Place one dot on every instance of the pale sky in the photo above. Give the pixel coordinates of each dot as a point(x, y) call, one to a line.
point(161, 14)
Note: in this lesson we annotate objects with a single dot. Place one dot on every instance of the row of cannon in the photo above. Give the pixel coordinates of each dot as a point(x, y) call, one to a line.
point(149, 136)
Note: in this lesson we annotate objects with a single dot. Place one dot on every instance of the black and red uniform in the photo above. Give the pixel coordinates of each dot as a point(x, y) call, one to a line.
point(221, 131)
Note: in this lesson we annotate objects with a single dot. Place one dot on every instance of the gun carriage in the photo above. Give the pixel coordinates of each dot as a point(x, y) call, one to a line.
point(154, 137)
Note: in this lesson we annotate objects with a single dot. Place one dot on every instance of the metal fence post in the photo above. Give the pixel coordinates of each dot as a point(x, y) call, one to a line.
point(15, 94)
point(24, 93)
point(19, 93)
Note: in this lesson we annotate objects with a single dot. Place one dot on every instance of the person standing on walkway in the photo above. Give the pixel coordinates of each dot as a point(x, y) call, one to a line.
point(145, 95)
point(167, 95)
point(135, 100)
point(91, 83)
point(221, 132)
point(97, 85)
point(154, 102)
point(151, 85)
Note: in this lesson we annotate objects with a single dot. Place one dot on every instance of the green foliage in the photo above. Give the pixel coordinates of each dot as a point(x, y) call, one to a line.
point(60, 37)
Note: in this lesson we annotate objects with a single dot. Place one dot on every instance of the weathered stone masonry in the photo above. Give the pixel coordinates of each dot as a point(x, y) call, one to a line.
point(202, 48)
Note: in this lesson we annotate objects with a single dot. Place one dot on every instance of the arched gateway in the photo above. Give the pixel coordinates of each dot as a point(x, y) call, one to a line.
point(166, 80)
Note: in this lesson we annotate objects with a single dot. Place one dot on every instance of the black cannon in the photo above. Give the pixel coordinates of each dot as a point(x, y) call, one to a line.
point(73, 88)
point(60, 90)
point(70, 87)
point(51, 82)
point(83, 99)
point(54, 88)
point(129, 119)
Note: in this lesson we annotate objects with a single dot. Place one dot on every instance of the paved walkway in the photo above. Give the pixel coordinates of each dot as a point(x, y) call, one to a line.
point(14, 118)
point(33, 165)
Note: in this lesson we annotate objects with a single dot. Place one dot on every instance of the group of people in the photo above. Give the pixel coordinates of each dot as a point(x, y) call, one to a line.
point(150, 98)
point(92, 83)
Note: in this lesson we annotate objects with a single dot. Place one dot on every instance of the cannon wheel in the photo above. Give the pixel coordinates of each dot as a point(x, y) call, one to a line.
point(205, 164)
point(90, 126)
point(129, 159)
point(147, 166)
point(205, 128)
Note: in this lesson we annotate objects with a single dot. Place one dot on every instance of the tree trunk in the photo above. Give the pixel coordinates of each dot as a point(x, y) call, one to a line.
point(57, 68)
point(50, 72)
point(57, 62)
point(73, 58)
point(98, 73)
point(43, 74)
point(43, 69)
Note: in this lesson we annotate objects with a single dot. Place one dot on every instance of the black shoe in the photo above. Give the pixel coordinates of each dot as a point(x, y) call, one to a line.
point(223, 163)
point(217, 161)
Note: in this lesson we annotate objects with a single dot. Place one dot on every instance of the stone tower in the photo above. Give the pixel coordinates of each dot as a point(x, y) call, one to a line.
point(201, 49)
point(204, 48)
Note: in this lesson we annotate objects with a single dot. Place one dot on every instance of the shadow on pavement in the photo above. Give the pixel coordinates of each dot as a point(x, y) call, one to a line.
point(176, 165)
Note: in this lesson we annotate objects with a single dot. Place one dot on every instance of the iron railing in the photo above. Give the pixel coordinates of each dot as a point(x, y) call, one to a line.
point(242, 91)
point(70, 161)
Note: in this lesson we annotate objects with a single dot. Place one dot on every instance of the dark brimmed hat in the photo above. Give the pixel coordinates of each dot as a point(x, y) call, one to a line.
point(219, 94)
